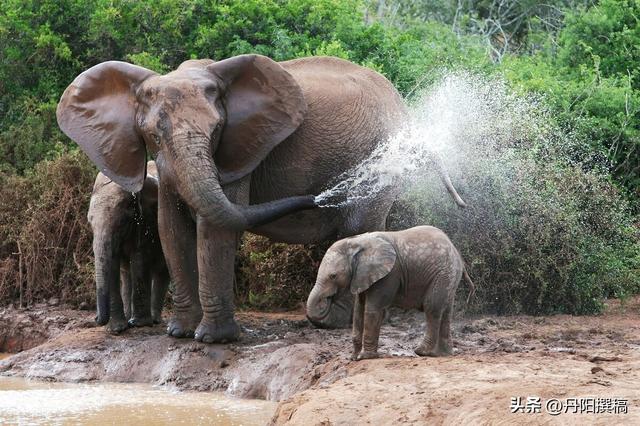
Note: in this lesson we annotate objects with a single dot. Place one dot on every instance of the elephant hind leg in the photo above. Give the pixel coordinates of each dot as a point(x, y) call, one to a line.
point(429, 344)
point(437, 313)
point(444, 341)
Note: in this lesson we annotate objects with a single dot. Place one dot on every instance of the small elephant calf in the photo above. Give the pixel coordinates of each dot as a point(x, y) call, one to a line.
point(415, 268)
point(131, 273)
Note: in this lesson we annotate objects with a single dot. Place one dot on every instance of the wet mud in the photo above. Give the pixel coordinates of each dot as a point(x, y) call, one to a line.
point(283, 358)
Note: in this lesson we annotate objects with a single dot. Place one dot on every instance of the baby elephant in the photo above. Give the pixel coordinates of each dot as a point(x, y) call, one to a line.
point(416, 268)
point(128, 257)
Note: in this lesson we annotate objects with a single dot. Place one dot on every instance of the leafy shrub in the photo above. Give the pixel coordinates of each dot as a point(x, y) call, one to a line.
point(275, 275)
point(590, 79)
point(46, 239)
point(559, 243)
point(545, 230)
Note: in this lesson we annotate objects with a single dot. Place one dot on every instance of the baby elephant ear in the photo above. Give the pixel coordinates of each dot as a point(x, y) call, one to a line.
point(97, 111)
point(374, 258)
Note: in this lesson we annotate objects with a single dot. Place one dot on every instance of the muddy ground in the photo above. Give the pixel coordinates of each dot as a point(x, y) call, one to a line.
point(282, 358)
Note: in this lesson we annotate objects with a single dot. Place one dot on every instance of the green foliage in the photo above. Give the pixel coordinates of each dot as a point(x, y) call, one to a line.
point(591, 81)
point(275, 276)
point(546, 252)
point(45, 44)
point(538, 236)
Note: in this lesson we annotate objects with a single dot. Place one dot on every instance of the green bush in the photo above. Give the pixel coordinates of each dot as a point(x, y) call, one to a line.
point(541, 234)
point(550, 232)
point(46, 239)
point(275, 275)
point(591, 80)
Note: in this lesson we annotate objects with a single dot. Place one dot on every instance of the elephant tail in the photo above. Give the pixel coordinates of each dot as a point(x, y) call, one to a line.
point(446, 180)
point(472, 286)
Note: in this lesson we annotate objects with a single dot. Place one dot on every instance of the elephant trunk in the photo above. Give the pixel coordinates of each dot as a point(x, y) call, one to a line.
point(106, 269)
point(326, 309)
point(199, 185)
point(446, 180)
point(318, 303)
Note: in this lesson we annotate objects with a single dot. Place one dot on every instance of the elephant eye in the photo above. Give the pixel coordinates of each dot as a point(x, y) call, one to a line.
point(332, 276)
point(156, 138)
point(211, 92)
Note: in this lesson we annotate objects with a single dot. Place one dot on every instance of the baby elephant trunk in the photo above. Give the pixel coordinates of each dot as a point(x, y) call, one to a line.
point(328, 308)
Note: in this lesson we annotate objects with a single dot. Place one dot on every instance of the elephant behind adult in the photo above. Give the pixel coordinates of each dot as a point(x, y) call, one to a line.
point(237, 143)
point(130, 270)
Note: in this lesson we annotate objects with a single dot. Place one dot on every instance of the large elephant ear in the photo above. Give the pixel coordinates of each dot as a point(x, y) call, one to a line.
point(373, 259)
point(264, 106)
point(97, 111)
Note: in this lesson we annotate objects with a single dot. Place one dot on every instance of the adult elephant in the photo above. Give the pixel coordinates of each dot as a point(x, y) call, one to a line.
point(237, 145)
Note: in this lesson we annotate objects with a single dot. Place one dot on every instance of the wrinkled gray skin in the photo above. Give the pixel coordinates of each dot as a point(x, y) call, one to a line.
point(418, 268)
point(131, 273)
point(239, 145)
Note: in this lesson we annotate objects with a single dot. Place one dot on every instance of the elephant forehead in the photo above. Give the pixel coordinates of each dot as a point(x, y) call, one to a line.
point(331, 259)
point(173, 87)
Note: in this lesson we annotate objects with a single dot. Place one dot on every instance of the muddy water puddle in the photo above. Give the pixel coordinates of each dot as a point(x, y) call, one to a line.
point(27, 402)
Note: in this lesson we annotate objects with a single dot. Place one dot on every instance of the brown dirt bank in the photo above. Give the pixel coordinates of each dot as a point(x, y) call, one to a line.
point(282, 358)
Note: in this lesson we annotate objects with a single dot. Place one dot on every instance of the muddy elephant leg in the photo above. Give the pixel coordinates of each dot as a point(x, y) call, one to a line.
point(444, 340)
point(141, 292)
point(428, 346)
point(216, 265)
point(371, 332)
point(216, 259)
point(436, 303)
point(358, 322)
point(117, 321)
point(125, 291)
point(178, 236)
point(159, 286)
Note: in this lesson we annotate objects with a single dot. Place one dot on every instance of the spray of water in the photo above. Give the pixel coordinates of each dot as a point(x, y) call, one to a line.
point(459, 118)
point(542, 218)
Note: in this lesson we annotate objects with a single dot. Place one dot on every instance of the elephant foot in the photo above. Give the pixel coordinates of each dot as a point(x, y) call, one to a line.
point(368, 355)
point(117, 326)
point(356, 352)
point(433, 352)
point(425, 349)
point(213, 332)
point(141, 322)
point(156, 317)
point(178, 327)
point(102, 319)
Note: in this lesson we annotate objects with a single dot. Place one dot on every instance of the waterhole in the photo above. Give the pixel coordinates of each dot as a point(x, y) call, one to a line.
point(29, 402)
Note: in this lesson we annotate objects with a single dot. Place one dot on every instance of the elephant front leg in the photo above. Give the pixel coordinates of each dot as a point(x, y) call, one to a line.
point(371, 334)
point(216, 259)
point(125, 291)
point(141, 292)
point(358, 322)
point(178, 236)
point(117, 321)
